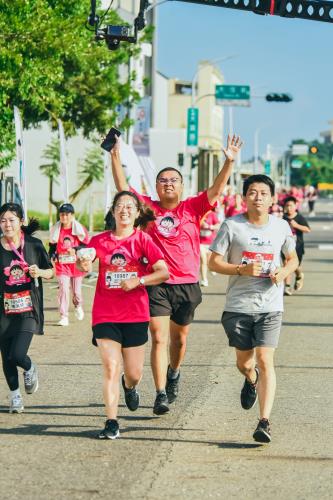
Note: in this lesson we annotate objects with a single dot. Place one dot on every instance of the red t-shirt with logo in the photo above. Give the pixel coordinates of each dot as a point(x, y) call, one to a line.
point(118, 260)
point(176, 233)
point(65, 263)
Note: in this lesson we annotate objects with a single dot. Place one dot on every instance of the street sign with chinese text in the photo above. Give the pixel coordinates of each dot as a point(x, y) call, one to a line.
point(299, 149)
point(232, 95)
point(192, 126)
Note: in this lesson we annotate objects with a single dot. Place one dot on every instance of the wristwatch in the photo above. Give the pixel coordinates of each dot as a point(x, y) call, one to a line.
point(142, 281)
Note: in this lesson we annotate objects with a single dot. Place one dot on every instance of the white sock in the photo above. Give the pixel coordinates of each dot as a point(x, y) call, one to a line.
point(17, 392)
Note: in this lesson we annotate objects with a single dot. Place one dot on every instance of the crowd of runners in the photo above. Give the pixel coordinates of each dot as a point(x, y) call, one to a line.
point(149, 264)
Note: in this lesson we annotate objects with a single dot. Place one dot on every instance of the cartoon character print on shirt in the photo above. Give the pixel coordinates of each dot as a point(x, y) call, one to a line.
point(167, 224)
point(16, 273)
point(19, 301)
point(260, 250)
point(119, 266)
point(65, 246)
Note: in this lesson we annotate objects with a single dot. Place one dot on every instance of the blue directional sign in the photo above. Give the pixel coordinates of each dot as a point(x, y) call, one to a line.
point(192, 126)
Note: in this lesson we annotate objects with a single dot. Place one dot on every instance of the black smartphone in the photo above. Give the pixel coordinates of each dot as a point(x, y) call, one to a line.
point(110, 139)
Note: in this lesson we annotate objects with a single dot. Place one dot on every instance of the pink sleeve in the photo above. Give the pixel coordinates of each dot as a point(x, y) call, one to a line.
point(144, 199)
point(199, 205)
point(152, 252)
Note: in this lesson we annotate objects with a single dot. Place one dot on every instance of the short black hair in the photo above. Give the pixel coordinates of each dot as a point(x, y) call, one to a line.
point(290, 198)
point(264, 179)
point(168, 169)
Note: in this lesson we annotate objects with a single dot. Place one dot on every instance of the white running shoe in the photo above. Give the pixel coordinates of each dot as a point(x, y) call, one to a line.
point(31, 380)
point(204, 283)
point(79, 313)
point(63, 321)
point(16, 404)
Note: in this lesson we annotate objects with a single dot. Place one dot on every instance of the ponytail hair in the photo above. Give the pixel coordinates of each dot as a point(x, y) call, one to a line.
point(33, 224)
point(146, 214)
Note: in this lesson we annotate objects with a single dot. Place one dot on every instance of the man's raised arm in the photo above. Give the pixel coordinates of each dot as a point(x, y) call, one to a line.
point(118, 173)
point(233, 147)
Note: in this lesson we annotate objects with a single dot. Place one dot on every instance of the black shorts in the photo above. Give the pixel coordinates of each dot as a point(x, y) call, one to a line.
point(177, 301)
point(127, 334)
point(300, 253)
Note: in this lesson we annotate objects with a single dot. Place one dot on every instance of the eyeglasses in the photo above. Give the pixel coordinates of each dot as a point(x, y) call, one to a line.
point(164, 180)
point(128, 206)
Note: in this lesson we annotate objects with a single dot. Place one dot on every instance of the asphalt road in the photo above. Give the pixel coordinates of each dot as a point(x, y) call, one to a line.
point(203, 448)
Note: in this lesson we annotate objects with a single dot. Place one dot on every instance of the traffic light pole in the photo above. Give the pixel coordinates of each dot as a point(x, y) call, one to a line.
point(312, 10)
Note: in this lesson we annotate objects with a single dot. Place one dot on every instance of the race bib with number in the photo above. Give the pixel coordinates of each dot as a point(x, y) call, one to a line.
point(266, 260)
point(66, 258)
point(113, 278)
point(17, 303)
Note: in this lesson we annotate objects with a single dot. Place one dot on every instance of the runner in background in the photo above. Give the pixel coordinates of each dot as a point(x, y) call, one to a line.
point(236, 207)
point(311, 197)
point(208, 227)
point(299, 226)
point(128, 262)
point(176, 232)
point(23, 262)
point(66, 236)
point(276, 209)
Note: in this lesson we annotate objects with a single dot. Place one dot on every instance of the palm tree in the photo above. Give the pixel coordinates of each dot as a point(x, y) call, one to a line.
point(91, 169)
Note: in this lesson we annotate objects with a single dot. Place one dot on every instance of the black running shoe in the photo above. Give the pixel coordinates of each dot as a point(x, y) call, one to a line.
point(172, 388)
point(110, 431)
point(248, 395)
point(161, 404)
point(262, 434)
point(132, 398)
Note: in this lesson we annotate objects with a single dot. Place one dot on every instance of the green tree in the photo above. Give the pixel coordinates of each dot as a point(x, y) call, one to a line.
point(316, 167)
point(52, 68)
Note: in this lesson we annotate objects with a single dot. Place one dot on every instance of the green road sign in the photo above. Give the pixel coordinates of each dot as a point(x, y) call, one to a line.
point(232, 95)
point(296, 163)
point(192, 126)
point(268, 167)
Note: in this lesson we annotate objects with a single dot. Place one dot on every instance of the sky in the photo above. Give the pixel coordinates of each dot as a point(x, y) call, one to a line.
point(273, 55)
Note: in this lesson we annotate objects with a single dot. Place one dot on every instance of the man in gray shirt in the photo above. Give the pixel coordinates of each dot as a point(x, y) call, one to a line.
point(248, 249)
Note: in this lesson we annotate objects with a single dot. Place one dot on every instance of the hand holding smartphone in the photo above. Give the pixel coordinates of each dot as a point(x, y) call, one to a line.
point(110, 139)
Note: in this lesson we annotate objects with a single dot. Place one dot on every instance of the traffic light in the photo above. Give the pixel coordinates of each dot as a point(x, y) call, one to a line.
point(180, 159)
point(278, 97)
point(194, 161)
point(307, 164)
point(313, 150)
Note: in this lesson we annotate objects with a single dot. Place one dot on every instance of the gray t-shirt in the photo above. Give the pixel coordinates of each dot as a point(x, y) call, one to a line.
point(242, 242)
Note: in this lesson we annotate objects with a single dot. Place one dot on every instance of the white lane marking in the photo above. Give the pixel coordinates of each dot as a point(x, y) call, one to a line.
point(325, 247)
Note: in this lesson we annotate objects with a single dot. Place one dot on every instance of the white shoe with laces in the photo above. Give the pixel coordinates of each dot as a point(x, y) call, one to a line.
point(30, 378)
point(79, 313)
point(16, 404)
point(204, 283)
point(63, 321)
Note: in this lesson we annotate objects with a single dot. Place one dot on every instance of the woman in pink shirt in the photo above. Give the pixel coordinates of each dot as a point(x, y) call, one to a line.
point(65, 237)
point(128, 262)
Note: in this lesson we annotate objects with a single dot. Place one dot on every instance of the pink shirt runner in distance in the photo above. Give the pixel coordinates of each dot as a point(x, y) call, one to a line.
point(176, 233)
point(122, 259)
point(68, 241)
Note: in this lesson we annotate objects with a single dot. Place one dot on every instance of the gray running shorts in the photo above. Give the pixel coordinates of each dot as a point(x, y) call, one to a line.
point(247, 331)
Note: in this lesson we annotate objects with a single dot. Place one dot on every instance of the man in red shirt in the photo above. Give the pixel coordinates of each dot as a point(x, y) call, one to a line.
point(176, 232)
